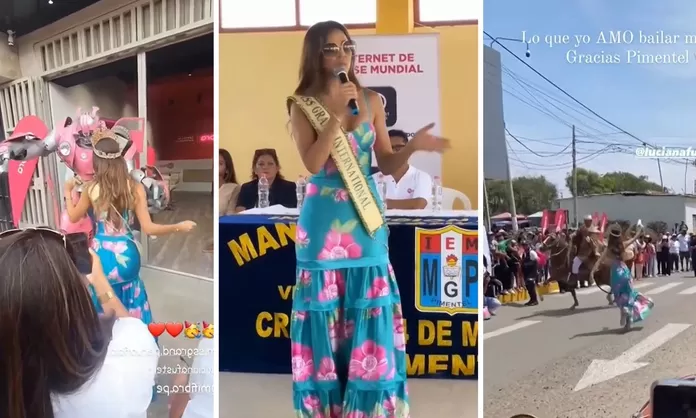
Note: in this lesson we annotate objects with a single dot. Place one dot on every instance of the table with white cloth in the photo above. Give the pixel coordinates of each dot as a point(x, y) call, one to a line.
point(435, 260)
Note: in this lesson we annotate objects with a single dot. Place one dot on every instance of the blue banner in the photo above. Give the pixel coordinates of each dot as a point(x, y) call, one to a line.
point(440, 303)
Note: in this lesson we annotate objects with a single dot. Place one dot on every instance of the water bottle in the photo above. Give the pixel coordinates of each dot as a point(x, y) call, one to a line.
point(436, 199)
point(263, 192)
point(382, 190)
point(300, 189)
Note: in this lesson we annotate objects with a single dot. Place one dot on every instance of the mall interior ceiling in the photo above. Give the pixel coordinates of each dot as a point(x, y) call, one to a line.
point(180, 58)
point(24, 16)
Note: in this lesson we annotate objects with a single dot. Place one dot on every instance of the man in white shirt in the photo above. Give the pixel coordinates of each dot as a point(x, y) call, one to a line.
point(684, 253)
point(408, 187)
point(674, 253)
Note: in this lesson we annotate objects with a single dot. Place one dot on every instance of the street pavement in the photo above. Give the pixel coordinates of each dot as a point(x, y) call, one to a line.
point(536, 359)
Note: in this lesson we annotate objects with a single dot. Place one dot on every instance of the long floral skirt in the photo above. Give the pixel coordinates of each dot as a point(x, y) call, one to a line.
point(348, 344)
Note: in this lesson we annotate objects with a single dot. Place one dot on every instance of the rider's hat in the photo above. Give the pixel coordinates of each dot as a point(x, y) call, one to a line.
point(593, 230)
point(615, 230)
point(588, 217)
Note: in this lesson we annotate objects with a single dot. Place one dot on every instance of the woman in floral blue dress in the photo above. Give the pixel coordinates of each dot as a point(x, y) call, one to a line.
point(347, 331)
point(633, 305)
point(115, 196)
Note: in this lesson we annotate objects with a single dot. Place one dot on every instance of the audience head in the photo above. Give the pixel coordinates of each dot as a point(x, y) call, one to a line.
point(398, 139)
point(226, 167)
point(327, 48)
point(266, 163)
point(52, 341)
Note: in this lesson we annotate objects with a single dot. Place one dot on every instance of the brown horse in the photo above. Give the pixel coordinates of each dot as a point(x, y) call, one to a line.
point(560, 267)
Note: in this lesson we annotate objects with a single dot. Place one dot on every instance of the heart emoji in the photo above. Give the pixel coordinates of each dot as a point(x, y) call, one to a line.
point(156, 329)
point(174, 328)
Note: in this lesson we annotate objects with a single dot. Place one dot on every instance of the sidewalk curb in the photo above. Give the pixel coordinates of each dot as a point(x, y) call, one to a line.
point(523, 295)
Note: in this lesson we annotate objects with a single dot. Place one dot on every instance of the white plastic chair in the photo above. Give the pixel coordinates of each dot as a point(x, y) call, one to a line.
point(449, 196)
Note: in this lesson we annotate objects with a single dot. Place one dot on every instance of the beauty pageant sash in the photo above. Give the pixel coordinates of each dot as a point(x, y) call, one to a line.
point(347, 163)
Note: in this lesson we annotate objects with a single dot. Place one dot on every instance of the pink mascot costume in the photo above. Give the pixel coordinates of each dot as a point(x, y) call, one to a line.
point(72, 140)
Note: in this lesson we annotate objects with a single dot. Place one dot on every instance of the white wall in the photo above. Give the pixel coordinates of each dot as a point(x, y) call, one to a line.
point(9, 61)
point(690, 215)
point(28, 58)
point(669, 209)
point(109, 94)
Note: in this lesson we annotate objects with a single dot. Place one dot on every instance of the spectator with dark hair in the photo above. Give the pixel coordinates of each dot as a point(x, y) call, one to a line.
point(281, 191)
point(60, 358)
point(530, 270)
point(229, 188)
point(408, 187)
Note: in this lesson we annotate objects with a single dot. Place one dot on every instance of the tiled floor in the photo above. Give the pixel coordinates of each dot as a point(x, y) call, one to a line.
point(270, 396)
point(185, 252)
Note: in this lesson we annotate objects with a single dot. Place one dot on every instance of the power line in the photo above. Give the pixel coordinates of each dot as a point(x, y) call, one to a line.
point(570, 96)
point(555, 154)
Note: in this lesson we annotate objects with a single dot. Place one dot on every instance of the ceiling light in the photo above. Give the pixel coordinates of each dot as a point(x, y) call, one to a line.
point(50, 1)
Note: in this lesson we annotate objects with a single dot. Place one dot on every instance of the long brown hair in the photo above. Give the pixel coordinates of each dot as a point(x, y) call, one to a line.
point(229, 176)
point(52, 340)
point(115, 186)
point(312, 72)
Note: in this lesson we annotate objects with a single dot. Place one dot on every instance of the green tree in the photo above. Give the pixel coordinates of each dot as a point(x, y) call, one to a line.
point(591, 182)
point(532, 194)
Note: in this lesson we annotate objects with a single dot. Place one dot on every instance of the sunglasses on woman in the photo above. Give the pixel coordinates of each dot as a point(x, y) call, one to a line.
point(42, 230)
point(77, 245)
point(331, 50)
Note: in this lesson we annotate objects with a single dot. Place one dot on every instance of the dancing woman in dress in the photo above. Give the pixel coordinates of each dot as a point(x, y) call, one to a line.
point(115, 196)
point(347, 332)
point(633, 305)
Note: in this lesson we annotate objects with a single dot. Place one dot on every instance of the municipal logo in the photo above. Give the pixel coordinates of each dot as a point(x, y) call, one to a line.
point(447, 270)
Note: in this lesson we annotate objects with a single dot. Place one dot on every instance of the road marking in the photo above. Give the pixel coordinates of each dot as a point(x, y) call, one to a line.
point(662, 288)
point(602, 370)
point(641, 285)
point(511, 328)
point(595, 289)
point(690, 291)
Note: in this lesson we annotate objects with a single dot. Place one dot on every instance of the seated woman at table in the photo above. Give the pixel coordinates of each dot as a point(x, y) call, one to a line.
point(281, 191)
point(347, 333)
point(229, 188)
point(408, 187)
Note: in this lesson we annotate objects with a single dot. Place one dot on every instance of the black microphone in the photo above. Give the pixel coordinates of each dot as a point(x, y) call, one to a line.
point(352, 103)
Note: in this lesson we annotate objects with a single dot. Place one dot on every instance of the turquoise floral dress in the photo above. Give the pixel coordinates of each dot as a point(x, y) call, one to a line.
point(120, 256)
point(634, 306)
point(347, 331)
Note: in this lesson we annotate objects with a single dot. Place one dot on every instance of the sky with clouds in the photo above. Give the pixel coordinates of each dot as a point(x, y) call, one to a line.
point(656, 103)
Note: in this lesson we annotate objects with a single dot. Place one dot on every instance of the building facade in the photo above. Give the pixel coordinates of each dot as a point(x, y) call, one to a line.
point(99, 35)
point(672, 209)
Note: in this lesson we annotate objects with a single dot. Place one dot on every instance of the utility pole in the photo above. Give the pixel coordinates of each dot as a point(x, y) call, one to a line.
point(487, 209)
point(575, 184)
point(513, 208)
point(686, 173)
point(659, 169)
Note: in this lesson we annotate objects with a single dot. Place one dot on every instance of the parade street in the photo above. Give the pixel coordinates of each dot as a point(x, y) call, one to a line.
point(552, 362)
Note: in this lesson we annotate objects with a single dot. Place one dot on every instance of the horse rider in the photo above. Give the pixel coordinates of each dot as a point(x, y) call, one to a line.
point(584, 242)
